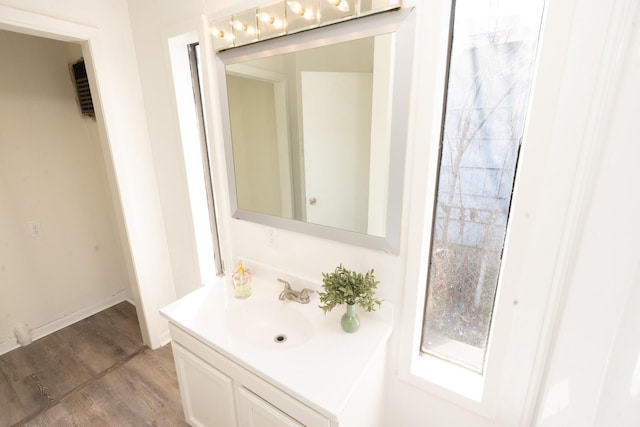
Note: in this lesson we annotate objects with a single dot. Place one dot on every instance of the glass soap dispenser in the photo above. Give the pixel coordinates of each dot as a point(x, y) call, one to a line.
point(241, 282)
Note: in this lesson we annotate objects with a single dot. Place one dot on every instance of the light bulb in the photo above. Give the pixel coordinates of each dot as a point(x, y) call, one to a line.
point(306, 13)
point(221, 34)
point(296, 7)
point(240, 26)
point(266, 18)
point(270, 19)
point(342, 5)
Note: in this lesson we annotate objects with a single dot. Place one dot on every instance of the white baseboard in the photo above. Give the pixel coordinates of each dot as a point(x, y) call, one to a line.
point(66, 320)
point(165, 338)
point(7, 346)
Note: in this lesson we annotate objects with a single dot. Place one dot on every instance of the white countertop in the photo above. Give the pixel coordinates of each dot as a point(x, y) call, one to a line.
point(321, 372)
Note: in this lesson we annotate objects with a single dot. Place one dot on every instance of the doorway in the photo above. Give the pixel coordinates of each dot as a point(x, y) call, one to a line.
point(64, 250)
point(109, 52)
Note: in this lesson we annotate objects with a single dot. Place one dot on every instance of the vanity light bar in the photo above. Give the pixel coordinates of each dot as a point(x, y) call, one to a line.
point(288, 17)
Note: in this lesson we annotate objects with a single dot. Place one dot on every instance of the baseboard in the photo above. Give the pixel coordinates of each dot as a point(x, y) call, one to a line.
point(165, 338)
point(7, 346)
point(69, 319)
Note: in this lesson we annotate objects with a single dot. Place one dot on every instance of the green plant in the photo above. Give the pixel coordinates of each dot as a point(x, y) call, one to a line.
point(344, 286)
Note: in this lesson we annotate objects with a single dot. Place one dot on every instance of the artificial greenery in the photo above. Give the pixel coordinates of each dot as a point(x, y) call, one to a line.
point(344, 286)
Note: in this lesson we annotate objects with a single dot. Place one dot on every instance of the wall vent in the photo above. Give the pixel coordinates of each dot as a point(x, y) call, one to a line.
point(79, 74)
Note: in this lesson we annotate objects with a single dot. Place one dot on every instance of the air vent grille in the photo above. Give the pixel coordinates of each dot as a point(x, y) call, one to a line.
point(79, 73)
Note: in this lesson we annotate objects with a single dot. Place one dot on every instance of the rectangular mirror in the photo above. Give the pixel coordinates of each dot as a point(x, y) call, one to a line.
point(315, 128)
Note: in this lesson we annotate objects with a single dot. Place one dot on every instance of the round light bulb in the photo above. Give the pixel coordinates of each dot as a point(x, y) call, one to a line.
point(266, 18)
point(296, 7)
point(240, 26)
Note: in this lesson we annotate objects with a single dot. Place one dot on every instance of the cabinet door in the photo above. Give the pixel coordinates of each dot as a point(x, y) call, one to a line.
point(255, 412)
point(207, 394)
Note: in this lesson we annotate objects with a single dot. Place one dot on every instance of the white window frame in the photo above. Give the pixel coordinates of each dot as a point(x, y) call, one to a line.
point(436, 376)
point(533, 271)
point(207, 241)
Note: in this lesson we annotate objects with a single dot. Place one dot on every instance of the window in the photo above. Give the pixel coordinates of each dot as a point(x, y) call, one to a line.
point(196, 81)
point(492, 53)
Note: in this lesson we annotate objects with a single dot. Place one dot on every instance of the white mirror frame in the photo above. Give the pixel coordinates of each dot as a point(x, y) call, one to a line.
point(400, 22)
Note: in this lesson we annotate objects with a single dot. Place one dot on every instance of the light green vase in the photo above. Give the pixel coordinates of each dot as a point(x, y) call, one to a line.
point(350, 321)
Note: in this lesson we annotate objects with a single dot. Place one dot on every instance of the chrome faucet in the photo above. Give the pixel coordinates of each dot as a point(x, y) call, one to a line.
point(298, 296)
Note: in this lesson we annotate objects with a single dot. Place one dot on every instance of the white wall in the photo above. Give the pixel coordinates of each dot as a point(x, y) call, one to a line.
point(593, 375)
point(52, 171)
point(151, 27)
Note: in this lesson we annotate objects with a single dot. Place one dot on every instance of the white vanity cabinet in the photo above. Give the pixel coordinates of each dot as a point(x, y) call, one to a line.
point(218, 392)
point(232, 372)
point(207, 394)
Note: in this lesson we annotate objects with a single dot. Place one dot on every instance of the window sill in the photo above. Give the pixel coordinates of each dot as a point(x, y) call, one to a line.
point(457, 352)
point(457, 384)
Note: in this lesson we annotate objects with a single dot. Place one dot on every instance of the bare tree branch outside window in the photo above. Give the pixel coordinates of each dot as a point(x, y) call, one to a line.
point(490, 76)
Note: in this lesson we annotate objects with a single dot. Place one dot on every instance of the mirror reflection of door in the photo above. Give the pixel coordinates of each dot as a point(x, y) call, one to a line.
point(336, 116)
point(319, 120)
point(260, 149)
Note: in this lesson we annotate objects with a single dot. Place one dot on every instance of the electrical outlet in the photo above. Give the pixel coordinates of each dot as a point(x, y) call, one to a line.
point(34, 228)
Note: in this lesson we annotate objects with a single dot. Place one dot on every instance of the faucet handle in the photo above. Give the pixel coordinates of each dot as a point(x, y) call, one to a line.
point(287, 286)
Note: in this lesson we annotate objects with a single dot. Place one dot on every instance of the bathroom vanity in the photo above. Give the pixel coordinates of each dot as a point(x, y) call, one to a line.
point(266, 362)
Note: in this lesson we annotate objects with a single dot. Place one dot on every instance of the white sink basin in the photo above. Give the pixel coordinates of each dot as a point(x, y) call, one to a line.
point(270, 324)
point(316, 352)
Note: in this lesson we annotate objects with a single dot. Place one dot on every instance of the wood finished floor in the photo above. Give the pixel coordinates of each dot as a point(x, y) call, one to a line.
point(96, 372)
